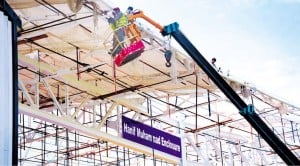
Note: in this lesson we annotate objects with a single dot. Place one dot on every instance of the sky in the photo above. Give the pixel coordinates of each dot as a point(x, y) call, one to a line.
point(257, 41)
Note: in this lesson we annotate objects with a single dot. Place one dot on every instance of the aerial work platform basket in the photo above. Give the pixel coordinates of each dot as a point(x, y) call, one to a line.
point(129, 53)
point(130, 49)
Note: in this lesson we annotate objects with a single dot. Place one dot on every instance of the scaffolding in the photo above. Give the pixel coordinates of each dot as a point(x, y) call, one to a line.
point(71, 98)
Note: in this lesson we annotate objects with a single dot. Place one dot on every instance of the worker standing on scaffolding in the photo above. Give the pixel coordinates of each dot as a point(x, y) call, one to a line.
point(117, 24)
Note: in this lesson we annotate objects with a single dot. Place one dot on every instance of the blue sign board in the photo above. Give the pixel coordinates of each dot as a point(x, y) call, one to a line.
point(151, 137)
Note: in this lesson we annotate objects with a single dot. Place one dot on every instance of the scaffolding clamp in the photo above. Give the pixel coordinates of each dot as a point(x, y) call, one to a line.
point(167, 30)
point(247, 110)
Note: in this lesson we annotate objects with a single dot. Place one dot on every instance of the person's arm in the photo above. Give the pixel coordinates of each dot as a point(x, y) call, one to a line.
point(110, 20)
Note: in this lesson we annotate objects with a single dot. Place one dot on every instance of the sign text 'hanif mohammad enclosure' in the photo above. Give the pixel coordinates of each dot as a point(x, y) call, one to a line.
point(151, 137)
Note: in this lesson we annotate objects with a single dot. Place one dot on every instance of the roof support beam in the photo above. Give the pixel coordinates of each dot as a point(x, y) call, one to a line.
point(70, 124)
point(53, 96)
point(106, 115)
point(81, 84)
point(79, 107)
point(24, 90)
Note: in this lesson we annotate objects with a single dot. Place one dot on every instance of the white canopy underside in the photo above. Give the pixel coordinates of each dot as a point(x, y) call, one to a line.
point(70, 52)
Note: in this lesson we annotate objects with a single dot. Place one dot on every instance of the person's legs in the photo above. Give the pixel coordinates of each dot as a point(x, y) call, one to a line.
point(121, 35)
point(118, 41)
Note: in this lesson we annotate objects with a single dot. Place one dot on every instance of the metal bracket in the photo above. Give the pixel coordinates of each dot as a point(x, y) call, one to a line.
point(170, 28)
point(247, 110)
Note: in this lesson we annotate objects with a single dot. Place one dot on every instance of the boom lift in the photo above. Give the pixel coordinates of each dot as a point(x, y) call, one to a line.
point(247, 111)
point(136, 46)
point(127, 51)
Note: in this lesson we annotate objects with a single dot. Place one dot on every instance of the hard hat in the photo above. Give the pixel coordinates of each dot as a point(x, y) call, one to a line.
point(116, 9)
point(130, 8)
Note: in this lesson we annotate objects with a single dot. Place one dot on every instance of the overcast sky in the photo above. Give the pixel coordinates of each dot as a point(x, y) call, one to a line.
point(257, 40)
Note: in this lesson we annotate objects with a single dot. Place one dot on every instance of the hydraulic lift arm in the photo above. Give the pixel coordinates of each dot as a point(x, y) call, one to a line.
point(140, 14)
point(247, 111)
